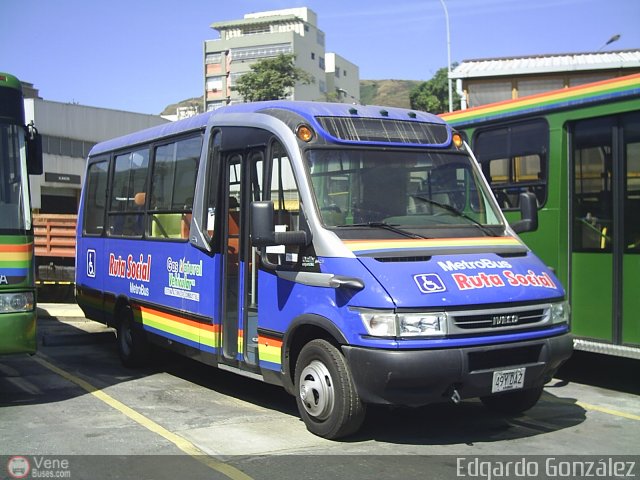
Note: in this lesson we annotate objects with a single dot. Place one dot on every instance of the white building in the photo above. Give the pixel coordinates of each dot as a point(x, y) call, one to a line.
point(267, 34)
point(488, 80)
point(68, 133)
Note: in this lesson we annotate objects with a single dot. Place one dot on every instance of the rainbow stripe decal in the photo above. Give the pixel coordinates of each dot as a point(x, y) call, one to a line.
point(370, 246)
point(195, 334)
point(270, 351)
point(621, 87)
point(16, 260)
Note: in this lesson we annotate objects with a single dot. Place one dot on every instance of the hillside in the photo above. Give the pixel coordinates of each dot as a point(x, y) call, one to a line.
point(387, 93)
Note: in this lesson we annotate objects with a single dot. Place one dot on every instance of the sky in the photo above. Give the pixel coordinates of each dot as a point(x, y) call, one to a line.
point(142, 55)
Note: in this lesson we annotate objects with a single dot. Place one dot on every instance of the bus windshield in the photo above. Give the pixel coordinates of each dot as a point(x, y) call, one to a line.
point(407, 191)
point(14, 195)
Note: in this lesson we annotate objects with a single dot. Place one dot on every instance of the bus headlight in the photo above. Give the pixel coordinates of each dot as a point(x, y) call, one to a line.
point(560, 312)
point(16, 302)
point(423, 324)
point(390, 324)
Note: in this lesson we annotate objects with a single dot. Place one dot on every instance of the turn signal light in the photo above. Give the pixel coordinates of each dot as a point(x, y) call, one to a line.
point(457, 140)
point(304, 133)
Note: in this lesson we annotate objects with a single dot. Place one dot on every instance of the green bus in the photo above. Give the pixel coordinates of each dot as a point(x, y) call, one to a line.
point(20, 154)
point(578, 150)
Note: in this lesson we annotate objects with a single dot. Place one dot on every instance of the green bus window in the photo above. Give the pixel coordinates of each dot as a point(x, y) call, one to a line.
point(128, 194)
point(95, 201)
point(631, 126)
point(514, 160)
point(592, 185)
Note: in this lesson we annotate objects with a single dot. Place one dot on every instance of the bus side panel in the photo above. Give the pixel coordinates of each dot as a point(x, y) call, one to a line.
point(631, 301)
point(593, 317)
point(282, 302)
point(172, 285)
point(90, 274)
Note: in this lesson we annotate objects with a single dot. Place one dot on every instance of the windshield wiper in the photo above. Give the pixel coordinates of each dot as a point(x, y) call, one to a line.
point(385, 226)
point(458, 213)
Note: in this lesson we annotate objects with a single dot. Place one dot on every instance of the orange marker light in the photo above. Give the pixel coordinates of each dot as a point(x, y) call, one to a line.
point(457, 140)
point(304, 133)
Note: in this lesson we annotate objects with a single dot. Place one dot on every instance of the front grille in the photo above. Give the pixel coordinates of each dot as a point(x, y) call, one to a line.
point(504, 357)
point(499, 320)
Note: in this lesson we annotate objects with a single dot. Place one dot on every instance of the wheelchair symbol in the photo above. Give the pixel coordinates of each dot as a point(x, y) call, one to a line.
point(91, 263)
point(429, 283)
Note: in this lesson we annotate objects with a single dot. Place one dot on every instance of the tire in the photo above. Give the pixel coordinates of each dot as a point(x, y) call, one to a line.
point(132, 346)
point(513, 402)
point(326, 396)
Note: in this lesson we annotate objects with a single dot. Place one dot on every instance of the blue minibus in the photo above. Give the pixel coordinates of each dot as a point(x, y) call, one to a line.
point(352, 254)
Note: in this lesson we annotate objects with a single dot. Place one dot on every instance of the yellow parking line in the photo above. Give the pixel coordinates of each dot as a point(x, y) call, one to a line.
point(183, 444)
point(610, 411)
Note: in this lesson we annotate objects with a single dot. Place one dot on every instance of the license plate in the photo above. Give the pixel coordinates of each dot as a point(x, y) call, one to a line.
point(504, 380)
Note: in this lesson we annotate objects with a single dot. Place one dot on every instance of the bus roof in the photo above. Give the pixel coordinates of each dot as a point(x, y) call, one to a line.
point(592, 93)
point(8, 80)
point(310, 111)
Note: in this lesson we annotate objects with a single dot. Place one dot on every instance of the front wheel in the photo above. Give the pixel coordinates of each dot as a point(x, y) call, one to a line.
point(513, 402)
point(326, 396)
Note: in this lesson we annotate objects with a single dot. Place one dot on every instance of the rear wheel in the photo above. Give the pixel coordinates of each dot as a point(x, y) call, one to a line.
point(513, 402)
point(326, 396)
point(132, 346)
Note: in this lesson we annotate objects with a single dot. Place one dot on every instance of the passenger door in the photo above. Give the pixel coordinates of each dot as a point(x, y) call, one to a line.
point(241, 184)
point(605, 260)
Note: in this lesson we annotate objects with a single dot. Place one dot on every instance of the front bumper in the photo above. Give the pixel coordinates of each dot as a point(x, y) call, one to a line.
point(420, 377)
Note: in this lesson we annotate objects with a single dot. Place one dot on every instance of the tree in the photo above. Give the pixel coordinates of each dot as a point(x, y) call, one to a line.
point(433, 96)
point(270, 79)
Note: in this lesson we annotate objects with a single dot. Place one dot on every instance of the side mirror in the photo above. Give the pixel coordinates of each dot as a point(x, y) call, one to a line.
point(528, 214)
point(34, 151)
point(263, 231)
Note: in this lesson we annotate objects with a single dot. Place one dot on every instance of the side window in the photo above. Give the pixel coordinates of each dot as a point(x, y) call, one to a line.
point(95, 198)
point(514, 159)
point(283, 192)
point(592, 155)
point(173, 184)
point(128, 194)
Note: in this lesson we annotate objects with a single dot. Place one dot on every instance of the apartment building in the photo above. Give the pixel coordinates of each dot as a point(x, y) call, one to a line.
point(267, 34)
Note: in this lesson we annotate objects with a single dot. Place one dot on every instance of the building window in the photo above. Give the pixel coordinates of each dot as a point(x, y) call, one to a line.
point(320, 38)
point(234, 77)
point(321, 63)
point(215, 105)
point(66, 146)
point(213, 58)
point(261, 51)
point(313, 56)
point(214, 84)
point(540, 85)
point(256, 29)
point(488, 92)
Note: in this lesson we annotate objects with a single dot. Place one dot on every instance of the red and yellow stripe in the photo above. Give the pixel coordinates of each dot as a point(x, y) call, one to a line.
point(357, 246)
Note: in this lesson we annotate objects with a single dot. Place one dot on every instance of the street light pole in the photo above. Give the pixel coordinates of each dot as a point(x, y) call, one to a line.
point(446, 16)
point(614, 38)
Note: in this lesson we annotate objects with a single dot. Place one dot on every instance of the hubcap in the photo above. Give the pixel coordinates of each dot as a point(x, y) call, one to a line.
point(316, 390)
